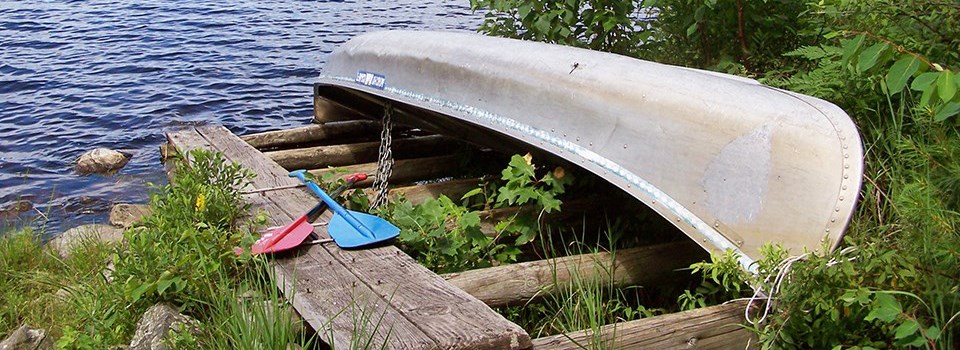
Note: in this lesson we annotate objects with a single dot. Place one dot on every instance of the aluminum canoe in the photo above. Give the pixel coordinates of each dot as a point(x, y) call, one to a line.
point(732, 163)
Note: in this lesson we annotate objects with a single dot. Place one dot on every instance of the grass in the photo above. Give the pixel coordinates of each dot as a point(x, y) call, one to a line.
point(255, 315)
point(39, 288)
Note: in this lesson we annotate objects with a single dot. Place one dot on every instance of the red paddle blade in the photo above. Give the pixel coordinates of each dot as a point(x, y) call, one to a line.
point(267, 242)
point(292, 239)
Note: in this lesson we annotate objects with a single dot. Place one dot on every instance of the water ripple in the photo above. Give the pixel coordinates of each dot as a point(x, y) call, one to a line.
point(118, 73)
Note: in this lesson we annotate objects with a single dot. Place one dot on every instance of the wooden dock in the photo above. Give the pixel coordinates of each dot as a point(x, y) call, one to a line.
point(383, 294)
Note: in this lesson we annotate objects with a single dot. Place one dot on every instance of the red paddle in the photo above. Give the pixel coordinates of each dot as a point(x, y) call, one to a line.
point(294, 233)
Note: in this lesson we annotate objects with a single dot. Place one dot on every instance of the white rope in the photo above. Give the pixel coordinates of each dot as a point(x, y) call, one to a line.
point(779, 275)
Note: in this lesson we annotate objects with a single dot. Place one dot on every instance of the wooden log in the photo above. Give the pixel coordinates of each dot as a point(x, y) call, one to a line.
point(356, 153)
point(327, 133)
point(715, 327)
point(404, 170)
point(455, 189)
point(490, 218)
point(517, 283)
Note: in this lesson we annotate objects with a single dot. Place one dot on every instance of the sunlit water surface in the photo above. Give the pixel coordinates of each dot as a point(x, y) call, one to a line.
point(75, 75)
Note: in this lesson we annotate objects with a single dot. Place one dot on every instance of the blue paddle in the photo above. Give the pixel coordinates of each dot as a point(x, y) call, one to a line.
point(348, 228)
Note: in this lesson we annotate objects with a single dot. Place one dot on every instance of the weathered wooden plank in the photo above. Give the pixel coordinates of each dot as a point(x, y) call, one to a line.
point(518, 283)
point(324, 291)
point(455, 189)
point(268, 176)
point(715, 327)
point(404, 170)
point(324, 133)
point(356, 153)
point(451, 316)
point(445, 315)
point(182, 142)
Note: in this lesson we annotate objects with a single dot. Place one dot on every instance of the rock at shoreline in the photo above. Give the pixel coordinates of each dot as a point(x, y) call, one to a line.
point(155, 325)
point(26, 338)
point(72, 238)
point(102, 161)
point(126, 215)
point(15, 209)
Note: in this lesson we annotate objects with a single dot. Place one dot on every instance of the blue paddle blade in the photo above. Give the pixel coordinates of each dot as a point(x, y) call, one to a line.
point(348, 236)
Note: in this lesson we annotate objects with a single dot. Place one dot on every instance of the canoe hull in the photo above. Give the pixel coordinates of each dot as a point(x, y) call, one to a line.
point(734, 164)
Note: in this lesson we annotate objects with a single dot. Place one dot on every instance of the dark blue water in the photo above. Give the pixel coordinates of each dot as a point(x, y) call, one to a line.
point(75, 75)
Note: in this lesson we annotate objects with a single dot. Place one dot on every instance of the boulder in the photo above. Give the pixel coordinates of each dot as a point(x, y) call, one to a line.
point(126, 215)
point(155, 325)
point(26, 338)
point(102, 161)
point(72, 238)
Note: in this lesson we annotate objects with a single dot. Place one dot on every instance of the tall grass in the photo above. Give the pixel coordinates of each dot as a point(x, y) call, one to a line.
point(255, 315)
point(39, 288)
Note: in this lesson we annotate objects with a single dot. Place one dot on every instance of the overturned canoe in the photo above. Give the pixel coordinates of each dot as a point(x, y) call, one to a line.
point(732, 163)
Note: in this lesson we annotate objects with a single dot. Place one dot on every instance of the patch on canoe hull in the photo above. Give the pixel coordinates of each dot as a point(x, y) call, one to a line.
point(736, 179)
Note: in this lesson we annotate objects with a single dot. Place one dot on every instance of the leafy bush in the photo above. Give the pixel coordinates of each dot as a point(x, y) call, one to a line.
point(446, 237)
point(190, 236)
point(613, 26)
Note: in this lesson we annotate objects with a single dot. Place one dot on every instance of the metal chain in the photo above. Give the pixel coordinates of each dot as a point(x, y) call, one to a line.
point(385, 160)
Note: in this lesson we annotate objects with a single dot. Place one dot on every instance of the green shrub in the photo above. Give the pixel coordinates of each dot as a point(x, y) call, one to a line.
point(178, 251)
point(613, 26)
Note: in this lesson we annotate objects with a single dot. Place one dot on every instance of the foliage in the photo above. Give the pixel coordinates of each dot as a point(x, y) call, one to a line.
point(447, 237)
point(189, 237)
point(613, 26)
point(524, 187)
point(39, 288)
point(591, 301)
point(892, 66)
point(743, 36)
point(254, 315)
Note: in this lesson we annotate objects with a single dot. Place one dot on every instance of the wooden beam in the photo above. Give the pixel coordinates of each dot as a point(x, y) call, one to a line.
point(715, 327)
point(321, 133)
point(339, 155)
point(516, 284)
point(325, 110)
point(569, 208)
point(455, 189)
point(404, 170)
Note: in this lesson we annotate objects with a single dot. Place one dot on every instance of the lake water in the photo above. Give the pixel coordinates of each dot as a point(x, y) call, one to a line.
point(75, 75)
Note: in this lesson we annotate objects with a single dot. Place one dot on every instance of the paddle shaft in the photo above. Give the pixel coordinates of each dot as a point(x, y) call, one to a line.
point(318, 209)
point(339, 210)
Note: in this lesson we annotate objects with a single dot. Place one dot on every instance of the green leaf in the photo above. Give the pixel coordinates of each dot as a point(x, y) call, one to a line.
point(900, 72)
point(525, 9)
point(933, 333)
point(924, 81)
point(609, 24)
point(906, 329)
point(692, 29)
point(851, 48)
point(162, 285)
point(946, 111)
point(472, 193)
point(137, 292)
point(870, 56)
point(885, 308)
point(946, 86)
point(470, 219)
